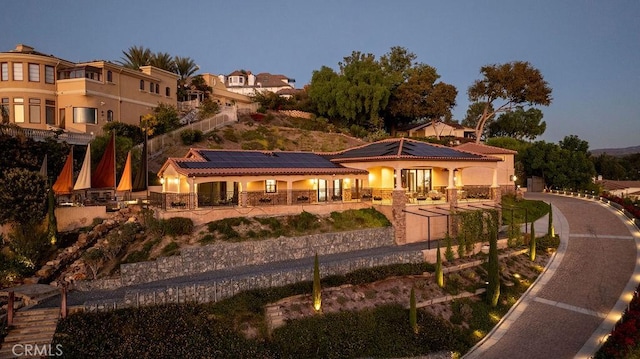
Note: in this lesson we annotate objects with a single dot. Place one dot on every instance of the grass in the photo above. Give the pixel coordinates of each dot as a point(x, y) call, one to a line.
point(239, 229)
point(516, 209)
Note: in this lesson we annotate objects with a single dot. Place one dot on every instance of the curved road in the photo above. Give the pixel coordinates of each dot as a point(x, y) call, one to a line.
point(577, 300)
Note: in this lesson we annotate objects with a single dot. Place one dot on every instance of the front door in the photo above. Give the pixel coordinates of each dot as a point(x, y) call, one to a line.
point(322, 190)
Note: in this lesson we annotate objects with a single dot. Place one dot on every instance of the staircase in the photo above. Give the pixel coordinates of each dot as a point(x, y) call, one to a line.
point(31, 334)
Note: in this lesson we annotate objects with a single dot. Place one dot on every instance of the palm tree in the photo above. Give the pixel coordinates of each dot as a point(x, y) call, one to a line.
point(163, 60)
point(185, 67)
point(135, 57)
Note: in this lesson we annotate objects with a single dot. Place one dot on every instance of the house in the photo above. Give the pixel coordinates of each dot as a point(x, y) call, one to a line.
point(441, 129)
point(621, 189)
point(505, 170)
point(40, 91)
point(392, 174)
point(246, 83)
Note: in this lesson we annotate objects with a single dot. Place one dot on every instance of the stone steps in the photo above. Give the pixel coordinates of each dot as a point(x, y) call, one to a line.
point(31, 333)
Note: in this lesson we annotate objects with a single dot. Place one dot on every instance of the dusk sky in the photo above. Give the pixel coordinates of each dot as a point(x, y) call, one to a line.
point(587, 50)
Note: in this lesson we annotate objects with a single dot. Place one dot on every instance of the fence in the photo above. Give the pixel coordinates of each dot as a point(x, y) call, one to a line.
point(225, 116)
point(41, 135)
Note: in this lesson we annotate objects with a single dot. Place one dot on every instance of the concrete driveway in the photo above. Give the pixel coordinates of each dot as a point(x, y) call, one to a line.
point(575, 303)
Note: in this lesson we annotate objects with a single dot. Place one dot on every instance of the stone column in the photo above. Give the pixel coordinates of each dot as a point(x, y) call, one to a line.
point(399, 220)
point(289, 192)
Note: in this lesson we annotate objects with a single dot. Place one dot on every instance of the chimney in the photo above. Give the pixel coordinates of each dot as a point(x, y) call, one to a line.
point(23, 48)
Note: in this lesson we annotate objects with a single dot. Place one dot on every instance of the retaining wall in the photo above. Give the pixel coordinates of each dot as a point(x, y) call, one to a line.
point(226, 255)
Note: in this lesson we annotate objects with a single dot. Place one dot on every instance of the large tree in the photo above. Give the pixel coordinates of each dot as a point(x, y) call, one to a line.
point(163, 60)
point(356, 95)
point(135, 57)
point(566, 165)
point(420, 98)
point(23, 197)
point(516, 83)
point(185, 67)
point(519, 124)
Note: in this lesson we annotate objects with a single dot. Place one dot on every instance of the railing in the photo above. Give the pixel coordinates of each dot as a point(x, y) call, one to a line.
point(474, 192)
point(217, 199)
point(226, 115)
point(71, 138)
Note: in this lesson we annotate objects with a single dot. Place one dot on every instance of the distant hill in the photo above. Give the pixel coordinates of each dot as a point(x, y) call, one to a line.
point(617, 152)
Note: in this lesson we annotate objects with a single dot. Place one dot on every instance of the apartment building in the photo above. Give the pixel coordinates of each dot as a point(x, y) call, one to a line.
point(41, 91)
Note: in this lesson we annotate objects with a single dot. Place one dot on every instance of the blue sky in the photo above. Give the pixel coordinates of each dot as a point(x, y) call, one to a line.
point(588, 50)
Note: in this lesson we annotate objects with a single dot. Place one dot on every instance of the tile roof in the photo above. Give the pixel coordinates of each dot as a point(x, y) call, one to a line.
point(207, 162)
point(402, 148)
point(611, 185)
point(485, 149)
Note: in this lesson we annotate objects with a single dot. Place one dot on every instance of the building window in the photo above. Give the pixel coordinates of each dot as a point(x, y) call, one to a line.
point(17, 71)
point(4, 110)
point(142, 85)
point(50, 112)
point(62, 115)
point(85, 115)
point(48, 74)
point(270, 186)
point(158, 88)
point(109, 116)
point(34, 72)
point(5, 71)
point(18, 110)
point(109, 76)
point(241, 80)
point(151, 87)
point(167, 91)
point(34, 110)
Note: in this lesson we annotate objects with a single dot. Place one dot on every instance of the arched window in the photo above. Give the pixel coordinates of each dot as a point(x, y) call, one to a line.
point(109, 116)
point(142, 85)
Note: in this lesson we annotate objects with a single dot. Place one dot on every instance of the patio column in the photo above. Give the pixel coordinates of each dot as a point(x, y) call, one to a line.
point(494, 182)
point(243, 194)
point(398, 179)
point(452, 184)
point(289, 192)
point(193, 193)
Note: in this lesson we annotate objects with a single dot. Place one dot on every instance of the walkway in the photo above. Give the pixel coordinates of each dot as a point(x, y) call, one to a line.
point(577, 300)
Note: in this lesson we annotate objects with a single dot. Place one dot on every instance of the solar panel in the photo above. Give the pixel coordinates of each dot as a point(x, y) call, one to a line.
point(247, 159)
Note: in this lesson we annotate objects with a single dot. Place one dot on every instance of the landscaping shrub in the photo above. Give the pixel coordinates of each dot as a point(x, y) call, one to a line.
point(304, 221)
point(178, 226)
point(224, 227)
point(190, 136)
point(171, 249)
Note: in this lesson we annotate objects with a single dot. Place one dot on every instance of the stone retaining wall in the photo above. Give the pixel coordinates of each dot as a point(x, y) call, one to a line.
point(218, 290)
point(226, 255)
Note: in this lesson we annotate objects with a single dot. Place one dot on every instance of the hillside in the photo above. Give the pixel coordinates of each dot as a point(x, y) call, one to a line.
point(280, 133)
point(616, 152)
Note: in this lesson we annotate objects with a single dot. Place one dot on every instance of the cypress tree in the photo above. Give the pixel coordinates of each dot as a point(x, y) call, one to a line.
point(317, 290)
point(413, 315)
point(532, 243)
point(52, 223)
point(550, 226)
point(493, 288)
point(439, 275)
